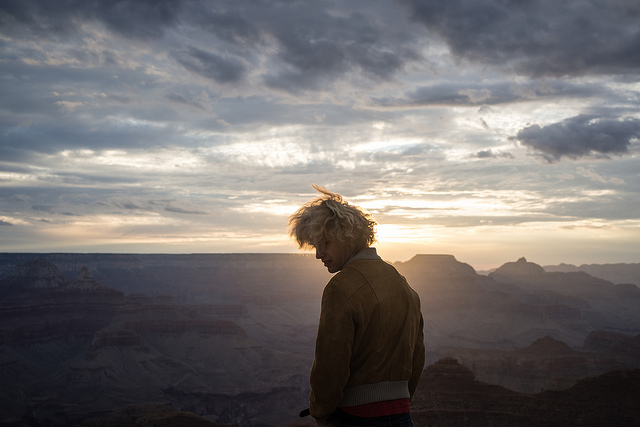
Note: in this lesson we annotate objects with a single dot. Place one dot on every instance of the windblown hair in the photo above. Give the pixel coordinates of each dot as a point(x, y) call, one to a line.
point(329, 217)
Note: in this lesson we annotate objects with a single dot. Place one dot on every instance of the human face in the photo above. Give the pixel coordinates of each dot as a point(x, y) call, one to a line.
point(334, 254)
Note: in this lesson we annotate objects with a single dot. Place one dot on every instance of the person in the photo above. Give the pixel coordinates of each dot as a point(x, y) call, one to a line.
point(370, 351)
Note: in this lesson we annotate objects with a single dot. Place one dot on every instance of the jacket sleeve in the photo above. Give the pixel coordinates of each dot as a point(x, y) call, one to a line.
point(419, 357)
point(334, 342)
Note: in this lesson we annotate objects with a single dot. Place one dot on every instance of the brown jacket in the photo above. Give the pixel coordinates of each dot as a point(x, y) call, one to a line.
point(370, 343)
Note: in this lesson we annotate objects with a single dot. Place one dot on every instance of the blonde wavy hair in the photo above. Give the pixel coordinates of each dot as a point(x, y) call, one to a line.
point(329, 217)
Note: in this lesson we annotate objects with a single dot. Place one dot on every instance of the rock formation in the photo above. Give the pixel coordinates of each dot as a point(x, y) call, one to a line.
point(514, 306)
point(73, 349)
point(622, 346)
point(38, 274)
point(615, 273)
point(547, 364)
point(230, 337)
point(449, 395)
point(149, 415)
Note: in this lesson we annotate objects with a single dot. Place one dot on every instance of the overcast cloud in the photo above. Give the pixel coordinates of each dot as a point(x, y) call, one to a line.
point(486, 129)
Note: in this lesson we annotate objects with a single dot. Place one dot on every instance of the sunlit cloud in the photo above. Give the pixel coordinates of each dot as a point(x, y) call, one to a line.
point(277, 208)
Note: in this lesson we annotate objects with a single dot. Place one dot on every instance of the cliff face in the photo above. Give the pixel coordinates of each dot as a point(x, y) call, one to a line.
point(39, 303)
point(38, 274)
point(231, 337)
point(621, 346)
point(436, 267)
point(521, 269)
point(615, 273)
point(601, 303)
point(528, 274)
point(547, 364)
point(449, 395)
point(104, 349)
point(513, 306)
point(189, 277)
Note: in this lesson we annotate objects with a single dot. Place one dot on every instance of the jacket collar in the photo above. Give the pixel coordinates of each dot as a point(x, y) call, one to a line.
point(366, 253)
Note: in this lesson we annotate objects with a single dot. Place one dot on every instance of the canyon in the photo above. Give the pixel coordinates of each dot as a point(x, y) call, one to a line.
point(228, 338)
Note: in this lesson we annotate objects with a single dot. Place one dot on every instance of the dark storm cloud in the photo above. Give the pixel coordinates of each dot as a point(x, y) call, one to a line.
point(182, 99)
point(306, 43)
point(8, 167)
point(50, 108)
point(153, 206)
point(43, 208)
point(493, 93)
point(99, 178)
point(131, 18)
point(316, 45)
point(35, 89)
point(184, 211)
point(581, 136)
point(538, 38)
point(130, 205)
point(462, 94)
point(491, 154)
point(51, 136)
point(139, 18)
point(309, 62)
point(230, 21)
point(211, 65)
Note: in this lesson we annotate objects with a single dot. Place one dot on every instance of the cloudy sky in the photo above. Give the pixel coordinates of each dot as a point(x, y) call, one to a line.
point(486, 129)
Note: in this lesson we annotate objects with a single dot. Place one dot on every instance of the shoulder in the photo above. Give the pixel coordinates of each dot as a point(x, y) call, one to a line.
point(370, 268)
point(346, 281)
point(380, 274)
point(357, 275)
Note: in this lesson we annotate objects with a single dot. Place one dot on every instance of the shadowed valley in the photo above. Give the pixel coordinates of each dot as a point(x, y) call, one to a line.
point(92, 339)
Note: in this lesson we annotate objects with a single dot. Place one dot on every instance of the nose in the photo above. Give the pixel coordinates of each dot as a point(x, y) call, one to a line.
point(319, 253)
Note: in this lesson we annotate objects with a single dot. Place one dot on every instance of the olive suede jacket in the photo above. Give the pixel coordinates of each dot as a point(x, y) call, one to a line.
point(370, 343)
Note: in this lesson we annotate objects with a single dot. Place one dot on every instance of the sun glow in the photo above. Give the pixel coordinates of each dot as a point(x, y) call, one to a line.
point(457, 204)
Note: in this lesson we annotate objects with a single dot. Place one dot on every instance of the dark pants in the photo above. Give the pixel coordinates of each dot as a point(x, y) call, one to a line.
point(341, 419)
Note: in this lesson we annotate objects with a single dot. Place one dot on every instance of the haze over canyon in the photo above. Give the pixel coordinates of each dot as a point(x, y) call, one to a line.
point(92, 339)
